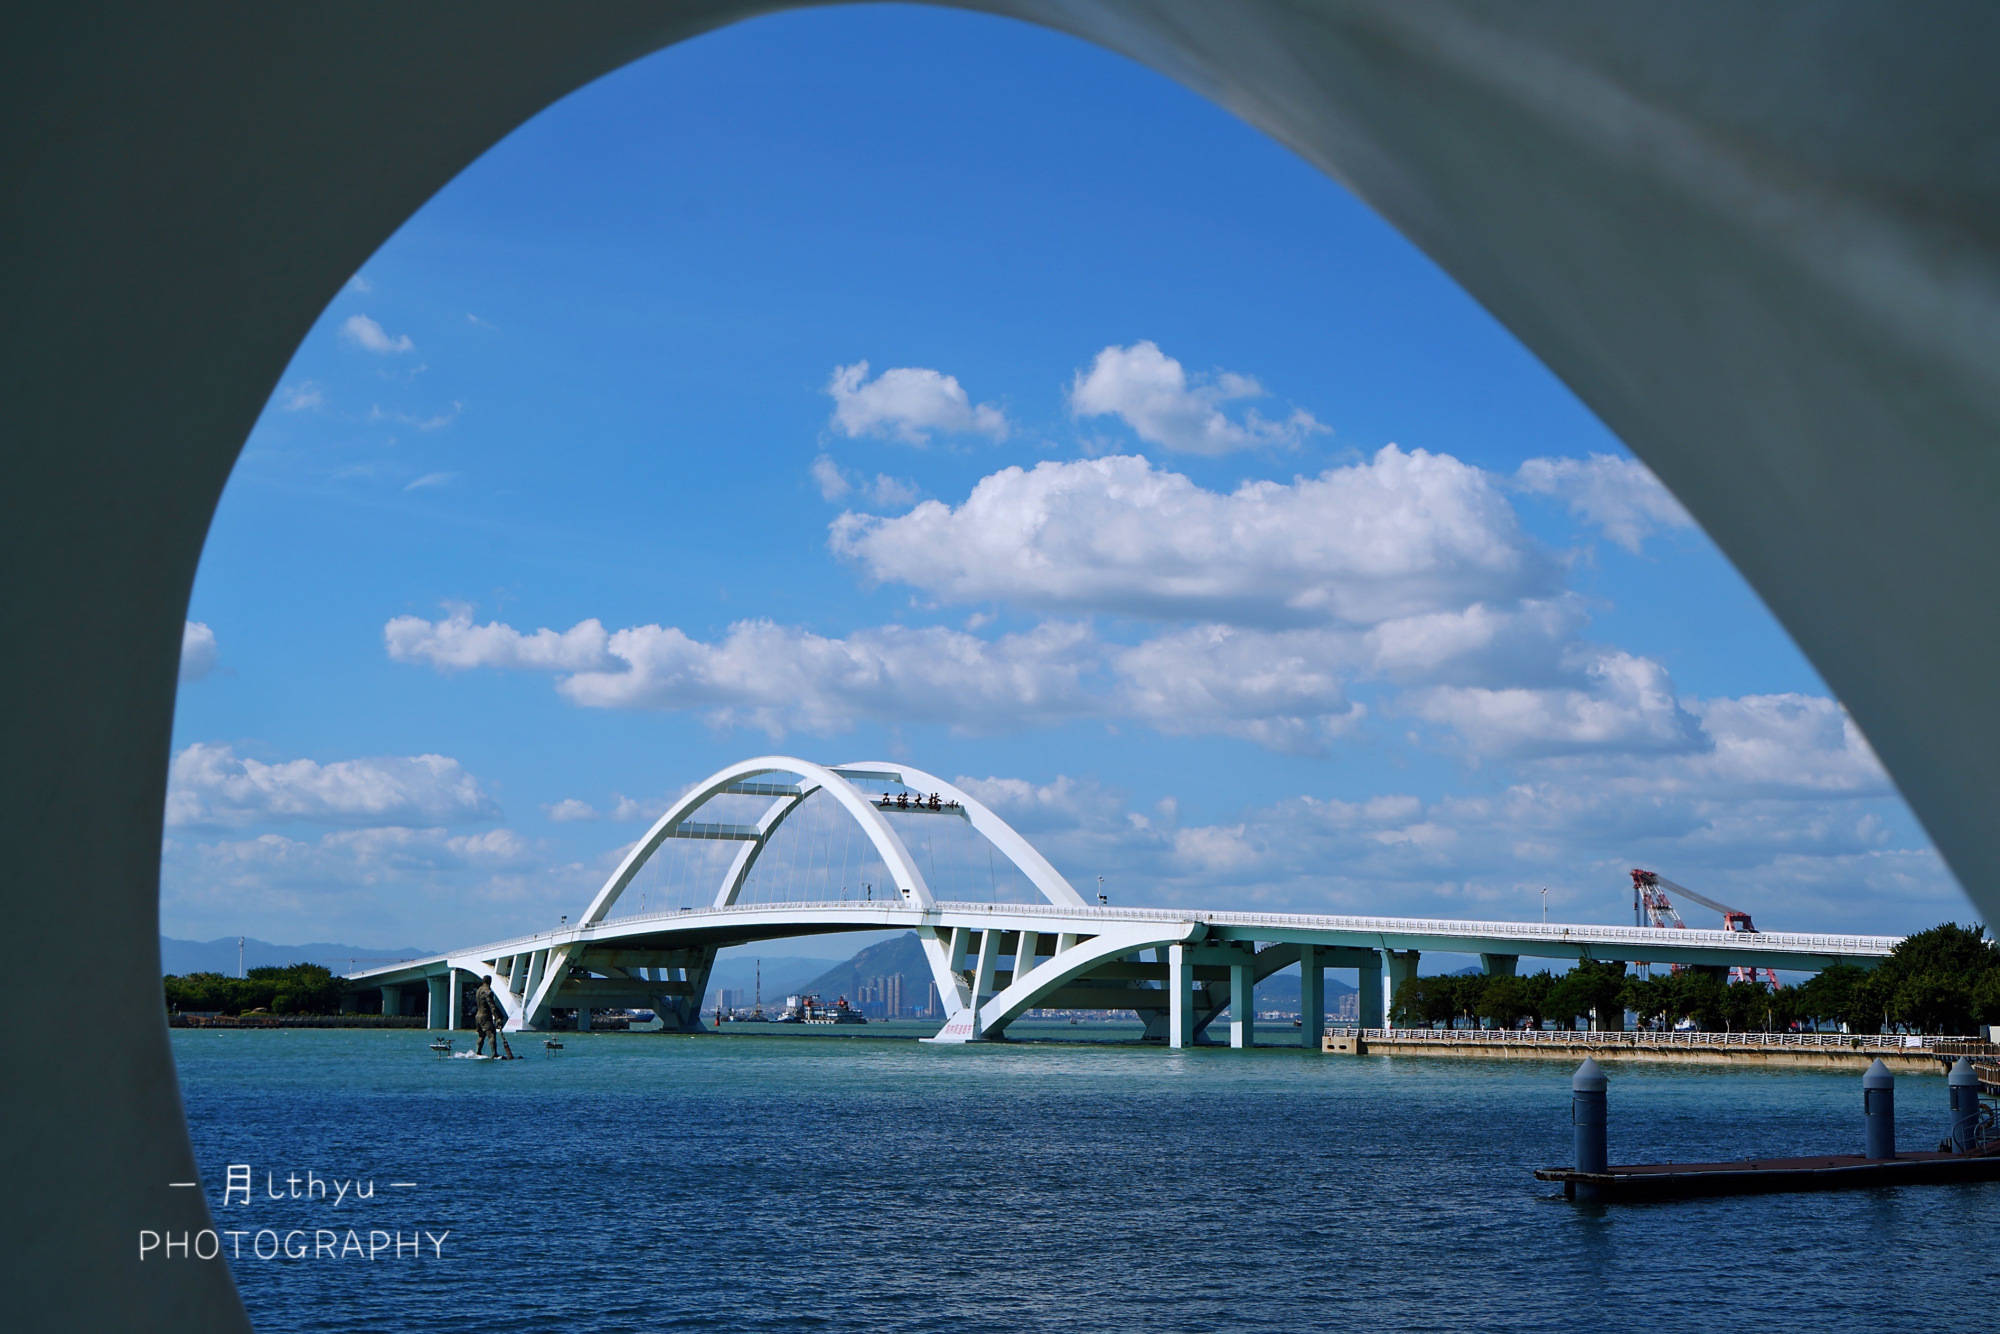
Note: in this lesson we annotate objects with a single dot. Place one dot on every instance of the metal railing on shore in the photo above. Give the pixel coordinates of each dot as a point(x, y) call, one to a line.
point(1563, 1040)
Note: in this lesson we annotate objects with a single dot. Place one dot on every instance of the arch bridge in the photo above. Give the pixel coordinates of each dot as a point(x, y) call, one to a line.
point(991, 962)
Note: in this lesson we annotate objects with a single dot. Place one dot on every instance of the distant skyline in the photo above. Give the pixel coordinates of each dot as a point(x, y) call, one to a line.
point(910, 384)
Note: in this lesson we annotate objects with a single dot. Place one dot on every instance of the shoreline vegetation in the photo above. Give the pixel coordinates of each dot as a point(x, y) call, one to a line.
point(1945, 980)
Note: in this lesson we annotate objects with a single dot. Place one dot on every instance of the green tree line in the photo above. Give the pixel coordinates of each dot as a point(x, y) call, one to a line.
point(1944, 980)
point(300, 988)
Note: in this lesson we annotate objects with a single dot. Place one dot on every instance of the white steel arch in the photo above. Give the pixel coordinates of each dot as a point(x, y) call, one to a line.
point(991, 827)
point(903, 872)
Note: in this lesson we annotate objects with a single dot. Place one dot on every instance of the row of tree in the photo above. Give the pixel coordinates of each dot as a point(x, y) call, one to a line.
point(1944, 980)
point(300, 988)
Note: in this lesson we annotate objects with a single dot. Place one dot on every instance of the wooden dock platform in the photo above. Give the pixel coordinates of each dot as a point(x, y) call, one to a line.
point(1763, 1176)
point(1903, 1053)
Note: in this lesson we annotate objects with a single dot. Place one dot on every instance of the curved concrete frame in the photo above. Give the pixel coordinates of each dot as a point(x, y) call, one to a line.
point(1757, 240)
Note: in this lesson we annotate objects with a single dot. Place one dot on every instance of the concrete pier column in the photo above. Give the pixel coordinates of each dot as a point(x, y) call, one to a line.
point(456, 1002)
point(583, 1018)
point(1587, 1115)
point(1242, 1006)
point(982, 976)
point(392, 1000)
point(1024, 953)
point(1369, 1011)
point(1312, 997)
point(1399, 966)
point(1964, 1086)
point(439, 989)
point(1499, 965)
point(1180, 992)
point(1878, 1111)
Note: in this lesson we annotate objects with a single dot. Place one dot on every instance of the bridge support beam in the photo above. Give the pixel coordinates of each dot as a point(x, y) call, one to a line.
point(1180, 996)
point(583, 1018)
point(1398, 967)
point(1312, 997)
point(392, 1000)
point(455, 1000)
point(1242, 1005)
point(1499, 965)
point(439, 988)
point(1369, 1010)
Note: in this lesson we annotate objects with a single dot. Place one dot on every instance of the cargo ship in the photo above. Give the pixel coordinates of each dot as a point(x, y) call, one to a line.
point(810, 1009)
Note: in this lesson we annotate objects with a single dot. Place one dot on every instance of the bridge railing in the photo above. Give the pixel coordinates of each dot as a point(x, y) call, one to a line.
point(1566, 1040)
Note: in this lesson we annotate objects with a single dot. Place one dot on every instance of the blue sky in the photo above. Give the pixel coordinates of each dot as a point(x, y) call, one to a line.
point(891, 382)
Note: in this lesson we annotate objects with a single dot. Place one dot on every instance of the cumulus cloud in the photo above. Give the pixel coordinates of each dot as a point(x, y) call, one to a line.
point(1619, 495)
point(836, 484)
point(366, 334)
point(1276, 689)
point(199, 651)
point(454, 643)
point(910, 404)
point(1399, 535)
point(569, 809)
point(1621, 702)
point(1151, 393)
point(212, 785)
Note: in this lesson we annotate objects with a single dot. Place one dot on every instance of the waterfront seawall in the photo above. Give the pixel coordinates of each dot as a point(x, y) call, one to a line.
point(1903, 1053)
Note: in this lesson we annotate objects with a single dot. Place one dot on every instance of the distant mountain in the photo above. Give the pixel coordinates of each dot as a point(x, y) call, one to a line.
point(181, 957)
point(902, 956)
point(783, 975)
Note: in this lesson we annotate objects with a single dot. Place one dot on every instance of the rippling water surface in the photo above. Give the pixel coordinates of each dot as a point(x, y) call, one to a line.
point(827, 1181)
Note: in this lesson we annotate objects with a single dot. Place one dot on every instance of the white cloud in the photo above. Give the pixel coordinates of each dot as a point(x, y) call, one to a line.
point(430, 479)
point(455, 643)
point(908, 403)
point(625, 808)
point(199, 651)
point(570, 809)
point(369, 336)
point(301, 397)
point(436, 421)
point(357, 283)
point(1152, 394)
point(1619, 495)
point(1620, 702)
point(1400, 535)
point(1276, 689)
point(835, 484)
point(212, 785)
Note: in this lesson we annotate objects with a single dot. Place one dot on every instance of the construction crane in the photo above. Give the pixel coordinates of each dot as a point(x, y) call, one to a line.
point(1651, 906)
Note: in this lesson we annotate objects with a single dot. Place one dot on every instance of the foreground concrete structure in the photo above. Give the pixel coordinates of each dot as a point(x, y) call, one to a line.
point(993, 962)
point(1757, 240)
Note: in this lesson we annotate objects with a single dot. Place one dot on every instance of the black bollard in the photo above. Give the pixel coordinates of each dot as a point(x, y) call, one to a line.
point(1587, 1116)
point(1964, 1086)
point(1878, 1112)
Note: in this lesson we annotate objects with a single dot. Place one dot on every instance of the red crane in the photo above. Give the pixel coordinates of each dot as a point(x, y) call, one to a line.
point(1650, 905)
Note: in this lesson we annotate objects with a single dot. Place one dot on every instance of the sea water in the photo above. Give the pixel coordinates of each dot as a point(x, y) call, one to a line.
point(843, 1180)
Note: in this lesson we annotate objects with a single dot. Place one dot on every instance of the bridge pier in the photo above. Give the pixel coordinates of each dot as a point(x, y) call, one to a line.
point(1242, 1005)
point(583, 1018)
point(1499, 965)
point(1369, 1011)
point(1399, 966)
point(1180, 996)
point(438, 988)
point(392, 1000)
point(455, 1001)
point(1312, 997)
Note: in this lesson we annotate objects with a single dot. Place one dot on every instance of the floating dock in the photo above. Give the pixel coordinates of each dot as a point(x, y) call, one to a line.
point(1764, 1176)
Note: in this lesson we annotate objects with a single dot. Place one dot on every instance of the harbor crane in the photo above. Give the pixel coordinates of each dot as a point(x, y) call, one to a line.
point(1652, 907)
